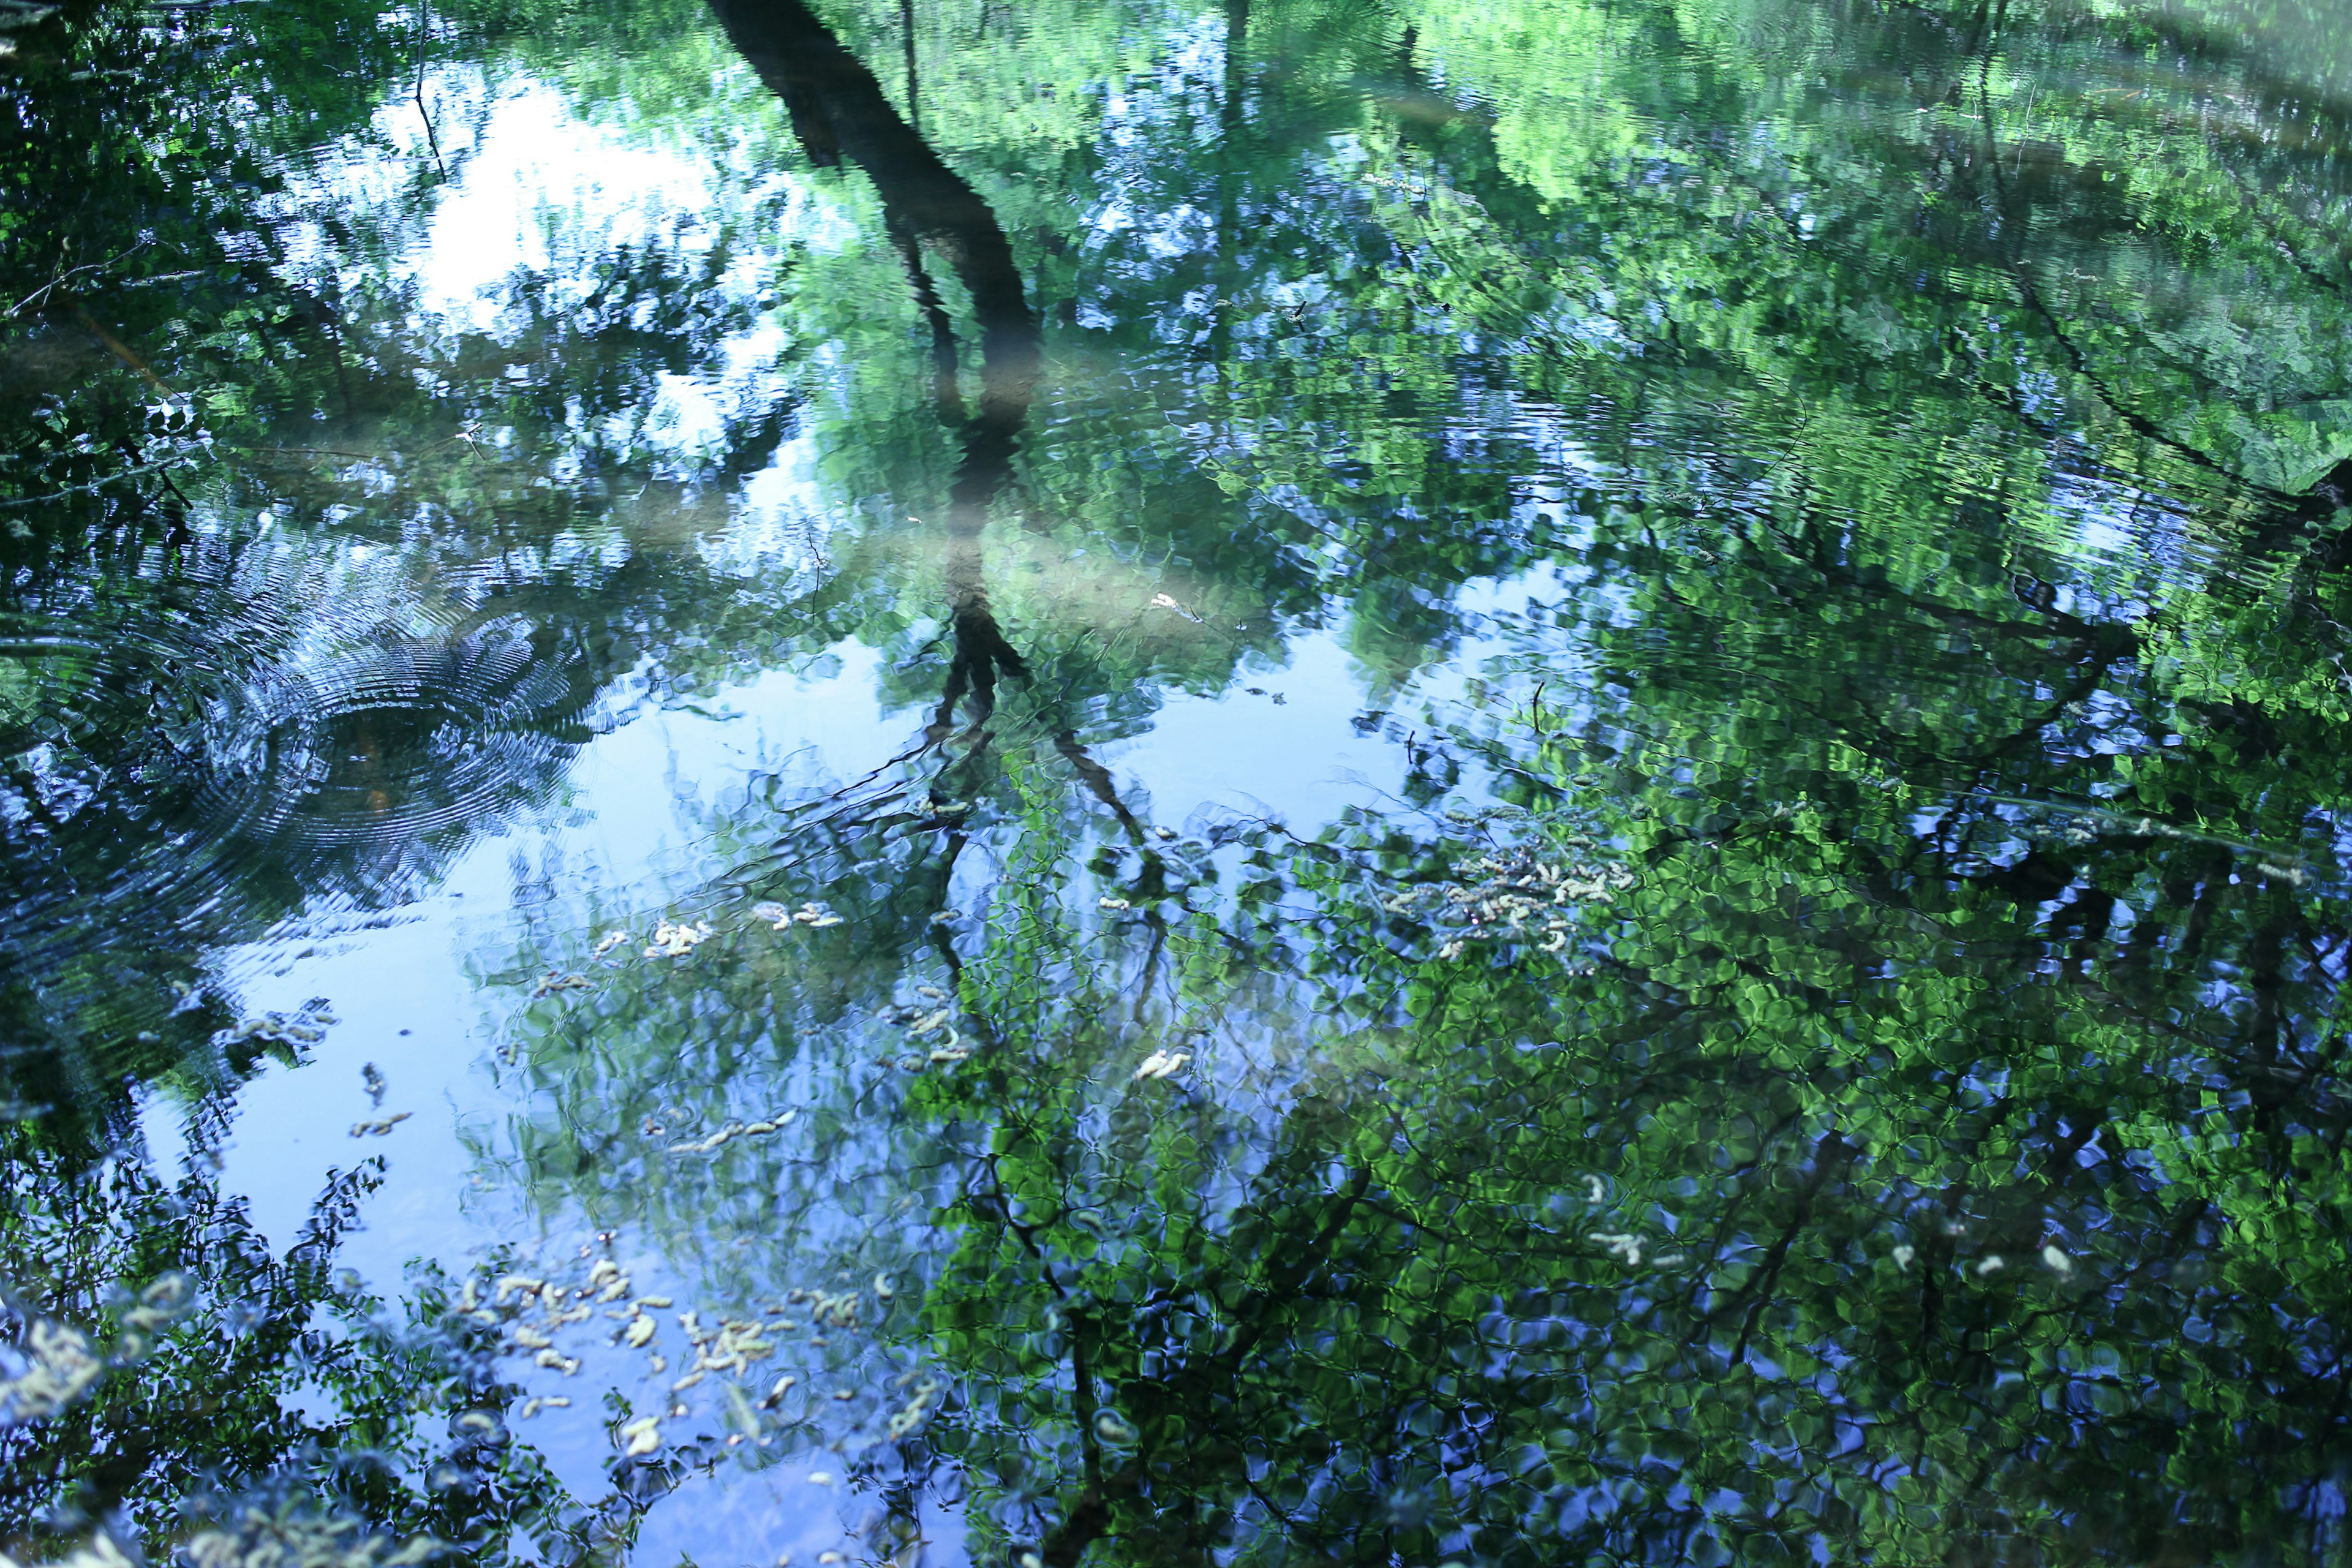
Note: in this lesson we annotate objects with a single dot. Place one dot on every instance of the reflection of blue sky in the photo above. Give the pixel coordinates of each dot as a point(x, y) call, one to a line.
point(539, 193)
point(538, 190)
point(622, 841)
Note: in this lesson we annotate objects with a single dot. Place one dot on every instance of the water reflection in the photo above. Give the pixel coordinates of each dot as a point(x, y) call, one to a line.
point(1784, 1005)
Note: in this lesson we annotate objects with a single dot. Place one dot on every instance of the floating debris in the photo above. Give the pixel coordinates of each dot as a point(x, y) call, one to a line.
point(913, 1413)
point(1161, 1063)
point(62, 1364)
point(1904, 1255)
point(98, 1552)
point(1624, 1245)
point(1112, 1428)
point(734, 1131)
point(165, 1300)
point(607, 943)
point(675, 941)
point(1114, 904)
point(2056, 1261)
point(380, 1125)
point(814, 915)
point(1992, 1265)
point(513, 1284)
point(641, 1329)
point(374, 1082)
point(838, 1311)
point(640, 1436)
point(732, 1346)
point(554, 981)
point(1517, 896)
point(295, 1535)
point(305, 1026)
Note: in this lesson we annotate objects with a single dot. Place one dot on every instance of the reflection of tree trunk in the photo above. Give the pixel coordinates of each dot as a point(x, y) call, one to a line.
point(1098, 781)
point(838, 110)
point(1225, 302)
point(945, 392)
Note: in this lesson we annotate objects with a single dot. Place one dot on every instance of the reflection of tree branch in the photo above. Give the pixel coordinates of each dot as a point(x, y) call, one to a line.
point(1255, 1315)
point(838, 107)
point(838, 110)
point(2077, 359)
point(914, 87)
point(424, 37)
point(1098, 779)
point(944, 391)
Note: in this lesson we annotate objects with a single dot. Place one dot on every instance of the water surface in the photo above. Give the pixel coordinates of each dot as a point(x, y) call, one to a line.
point(1318, 782)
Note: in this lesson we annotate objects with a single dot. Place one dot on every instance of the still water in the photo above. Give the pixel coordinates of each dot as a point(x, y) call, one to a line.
point(1407, 781)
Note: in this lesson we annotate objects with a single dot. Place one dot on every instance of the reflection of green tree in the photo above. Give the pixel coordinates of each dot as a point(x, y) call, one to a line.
point(1817, 485)
point(241, 1387)
point(1940, 1212)
point(1816, 1217)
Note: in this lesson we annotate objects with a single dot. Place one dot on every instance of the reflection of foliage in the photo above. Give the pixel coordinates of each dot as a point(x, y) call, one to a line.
point(1931, 1149)
point(1802, 1218)
point(203, 1389)
point(1847, 1187)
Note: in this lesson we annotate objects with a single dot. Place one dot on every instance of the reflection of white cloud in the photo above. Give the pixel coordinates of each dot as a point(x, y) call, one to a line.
point(781, 521)
point(537, 188)
point(539, 205)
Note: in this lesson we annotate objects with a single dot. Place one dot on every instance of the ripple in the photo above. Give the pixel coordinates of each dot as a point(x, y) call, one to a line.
point(189, 767)
point(388, 747)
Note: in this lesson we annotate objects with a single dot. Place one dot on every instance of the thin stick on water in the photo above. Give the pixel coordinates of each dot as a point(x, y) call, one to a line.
point(94, 486)
point(424, 31)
